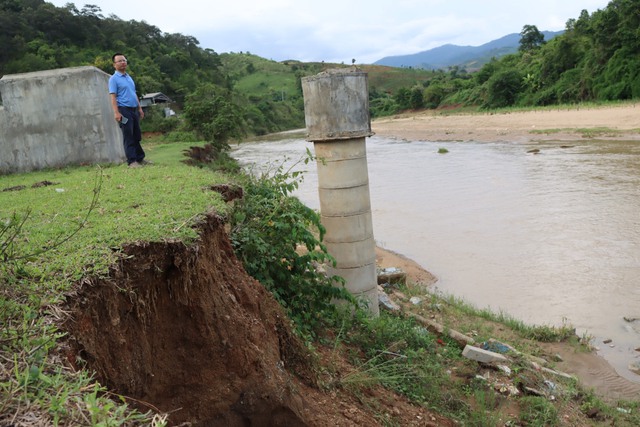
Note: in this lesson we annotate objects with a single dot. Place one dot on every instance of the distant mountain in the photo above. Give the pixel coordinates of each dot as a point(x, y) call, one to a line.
point(468, 57)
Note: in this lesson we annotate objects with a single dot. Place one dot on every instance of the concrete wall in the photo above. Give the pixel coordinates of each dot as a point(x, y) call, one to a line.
point(56, 118)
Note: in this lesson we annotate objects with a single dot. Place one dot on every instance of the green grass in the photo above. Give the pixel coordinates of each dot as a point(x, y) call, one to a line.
point(267, 76)
point(110, 206)
point(571, 401)
point(64, 232)
point(280, 84)
point(561, 107)
point(132, 204)
point(598, 131)
point(543, 333)
point(390, 79)
point(584, 132)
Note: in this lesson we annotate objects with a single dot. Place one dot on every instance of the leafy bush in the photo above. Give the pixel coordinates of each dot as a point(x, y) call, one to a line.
point(433, 95)
point(211, 113)
point(502, 89)
point(383, 106)
point(153, 118)
point(279, 241)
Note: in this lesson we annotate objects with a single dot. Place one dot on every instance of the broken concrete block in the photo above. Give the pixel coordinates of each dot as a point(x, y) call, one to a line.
point(392, 276)
point(483, 356)
point(385, 302)
point(415, 300)
point(557, 373)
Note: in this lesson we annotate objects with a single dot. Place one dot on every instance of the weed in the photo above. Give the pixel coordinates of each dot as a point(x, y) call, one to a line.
point(584, 132)
point(549, 131)
point(543, 333)
point(397, 353)
point(537, 411)
point(279, 241)
point(485, 414)
point(596, 132)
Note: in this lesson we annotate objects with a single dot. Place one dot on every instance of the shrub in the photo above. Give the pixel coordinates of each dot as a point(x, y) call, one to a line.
point(502, 89)
point(211, 112)
point(279, 241)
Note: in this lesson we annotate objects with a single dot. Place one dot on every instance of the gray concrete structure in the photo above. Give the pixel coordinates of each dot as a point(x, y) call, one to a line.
point(56, 118)
point(336, 104)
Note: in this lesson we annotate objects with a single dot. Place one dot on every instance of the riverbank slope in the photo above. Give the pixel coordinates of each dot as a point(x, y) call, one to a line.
point(621, 121)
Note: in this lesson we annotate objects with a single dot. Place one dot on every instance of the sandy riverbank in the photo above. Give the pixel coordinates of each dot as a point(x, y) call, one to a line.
point(616, 122)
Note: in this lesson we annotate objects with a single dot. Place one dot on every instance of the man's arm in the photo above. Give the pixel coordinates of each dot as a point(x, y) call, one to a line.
point(140, 110)
point(114, 106)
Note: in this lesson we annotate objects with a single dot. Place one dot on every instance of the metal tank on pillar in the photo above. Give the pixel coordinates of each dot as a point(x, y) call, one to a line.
point(336, 105)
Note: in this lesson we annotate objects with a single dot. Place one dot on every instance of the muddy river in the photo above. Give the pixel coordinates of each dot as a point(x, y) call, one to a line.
point(549, 238)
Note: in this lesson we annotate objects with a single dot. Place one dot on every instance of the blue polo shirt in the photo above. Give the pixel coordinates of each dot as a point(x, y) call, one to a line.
point(125, 89)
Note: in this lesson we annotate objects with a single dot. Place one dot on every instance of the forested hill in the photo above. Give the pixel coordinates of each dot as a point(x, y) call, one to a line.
point(36, 35)
point(233, 94)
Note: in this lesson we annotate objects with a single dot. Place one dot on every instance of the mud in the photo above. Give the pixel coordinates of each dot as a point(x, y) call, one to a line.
point(184, 330)
point(187, 331)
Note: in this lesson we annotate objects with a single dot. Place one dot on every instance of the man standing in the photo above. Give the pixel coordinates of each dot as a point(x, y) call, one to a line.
point(127, 110)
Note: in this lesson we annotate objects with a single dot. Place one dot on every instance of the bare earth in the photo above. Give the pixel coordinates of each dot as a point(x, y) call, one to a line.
point(619, 122)
point(602, 123)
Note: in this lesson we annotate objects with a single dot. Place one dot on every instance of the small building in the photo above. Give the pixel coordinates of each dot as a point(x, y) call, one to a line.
point(154, 98)
point(150, 99)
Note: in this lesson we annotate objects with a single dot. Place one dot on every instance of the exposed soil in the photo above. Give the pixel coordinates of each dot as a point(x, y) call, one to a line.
point(185, 331)
point(618, 122)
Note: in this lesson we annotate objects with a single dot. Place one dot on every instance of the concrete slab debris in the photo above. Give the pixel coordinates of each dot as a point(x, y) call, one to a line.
point(483, 356)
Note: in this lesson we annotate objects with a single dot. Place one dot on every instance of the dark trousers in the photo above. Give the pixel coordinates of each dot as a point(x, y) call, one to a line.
point(132, 134)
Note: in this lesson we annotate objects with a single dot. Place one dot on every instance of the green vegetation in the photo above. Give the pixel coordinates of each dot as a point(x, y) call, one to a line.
point(42, 256)
point(279, 242)
point(595, 60)
point(60, 226)
point(35, 35)
point(481, 395)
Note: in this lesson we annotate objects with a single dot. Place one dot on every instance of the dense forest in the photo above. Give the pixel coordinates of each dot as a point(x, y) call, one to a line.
point(36, 35)
point(230, 95)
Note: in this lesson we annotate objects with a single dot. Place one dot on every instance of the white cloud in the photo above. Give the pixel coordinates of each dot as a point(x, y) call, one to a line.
point(339, 30)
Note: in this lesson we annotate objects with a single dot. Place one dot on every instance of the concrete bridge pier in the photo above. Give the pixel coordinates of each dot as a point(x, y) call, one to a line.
point(336, 104)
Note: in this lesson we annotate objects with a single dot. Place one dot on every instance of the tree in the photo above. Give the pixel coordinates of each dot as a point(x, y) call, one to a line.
point(210, 111)
point(416, 99)
point(403, 98)
point(530, 38)
point(433, 95)
point(503, 88)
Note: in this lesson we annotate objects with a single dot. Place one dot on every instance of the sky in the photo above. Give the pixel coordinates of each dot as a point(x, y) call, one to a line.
point(343, 30)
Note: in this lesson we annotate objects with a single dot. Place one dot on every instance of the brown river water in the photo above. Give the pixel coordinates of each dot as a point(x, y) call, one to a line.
point(550, 238)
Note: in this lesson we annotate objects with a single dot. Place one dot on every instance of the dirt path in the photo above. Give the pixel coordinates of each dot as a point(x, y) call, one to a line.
point(619, 122)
